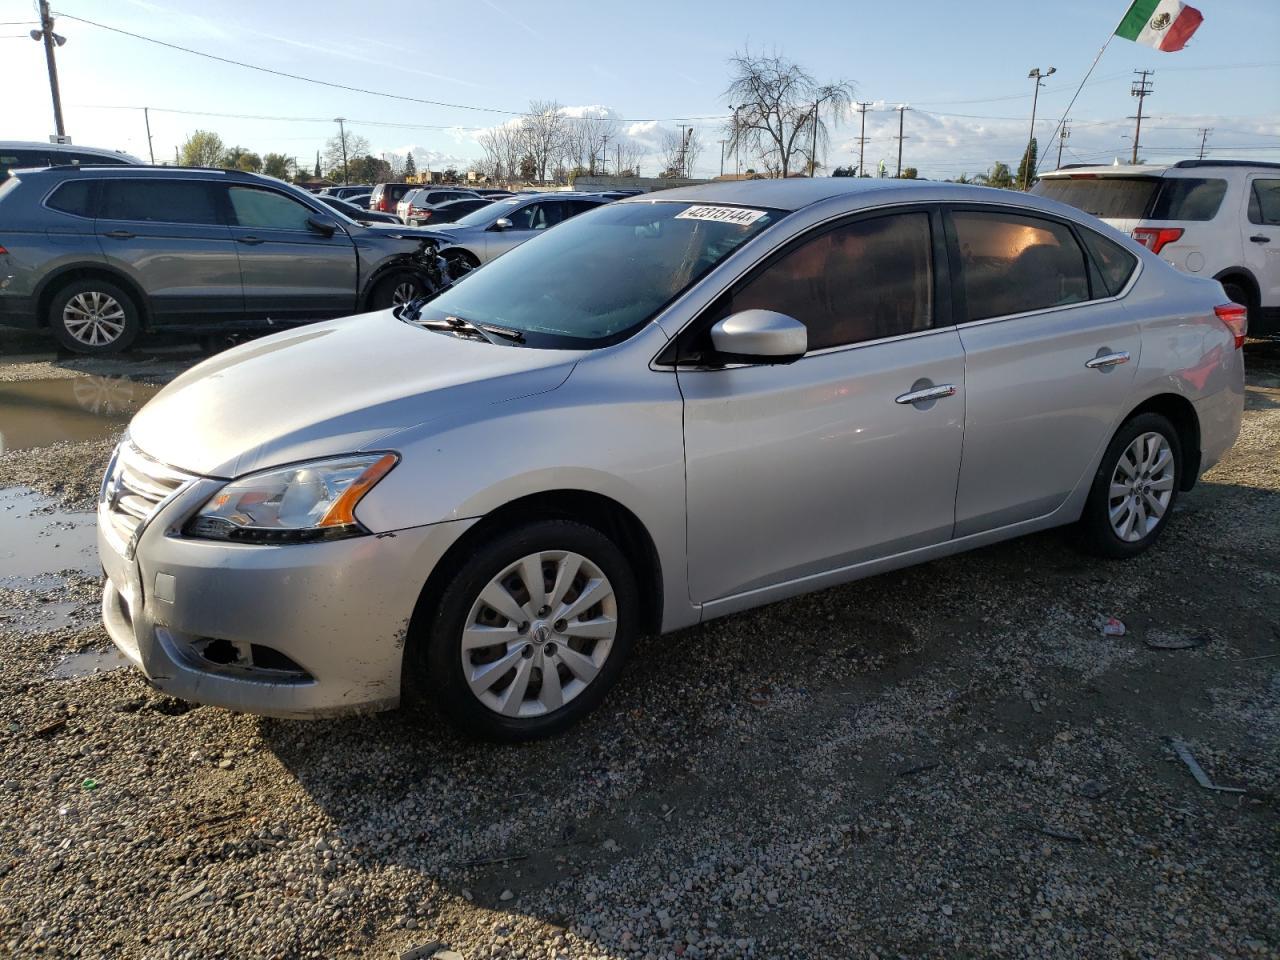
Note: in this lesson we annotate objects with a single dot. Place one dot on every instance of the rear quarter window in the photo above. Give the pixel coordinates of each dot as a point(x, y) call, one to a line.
point(76, 197)
point(1114, 262)
point(1188, 198)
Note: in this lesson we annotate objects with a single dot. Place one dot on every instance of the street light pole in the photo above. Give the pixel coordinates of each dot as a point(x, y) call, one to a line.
point(146, 116)
point(50, 38)
point(1035, 98)
point(342, 136)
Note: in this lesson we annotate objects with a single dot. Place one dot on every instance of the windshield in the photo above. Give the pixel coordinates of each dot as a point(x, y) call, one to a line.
point(486, 214)
point(596, 279)
point(1114, 198)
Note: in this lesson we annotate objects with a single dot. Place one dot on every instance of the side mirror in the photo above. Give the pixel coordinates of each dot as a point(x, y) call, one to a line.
point(322, 225)
point(502, 223)
point(759, 336)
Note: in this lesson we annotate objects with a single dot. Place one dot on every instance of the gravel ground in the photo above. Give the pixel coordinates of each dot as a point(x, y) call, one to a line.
point(948, 761)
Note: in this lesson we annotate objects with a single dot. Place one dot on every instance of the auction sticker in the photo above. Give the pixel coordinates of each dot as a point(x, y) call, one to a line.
point(739, 215)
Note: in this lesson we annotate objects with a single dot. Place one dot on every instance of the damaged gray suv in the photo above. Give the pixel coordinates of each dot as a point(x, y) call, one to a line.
point(665, 410)
point(96, 255)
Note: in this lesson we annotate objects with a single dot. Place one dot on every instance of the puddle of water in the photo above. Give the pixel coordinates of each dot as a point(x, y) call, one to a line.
point(88, 663)
point(36, 538)
point(46, 618)
point(36, 413)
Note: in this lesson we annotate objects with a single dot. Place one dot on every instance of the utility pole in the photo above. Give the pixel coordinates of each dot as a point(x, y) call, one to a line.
point(51, 39)
point(902, 109)
point(604, 154)
point(342, 136)
point(177, 160)
point(722, 143)
point(737, 143)
point(684, 151)
point(1062, 138)
point(1038, 77)
point(1204, 136)
point(813, 149)
point(146, 115)
point(1140, 89)
point(862, 136)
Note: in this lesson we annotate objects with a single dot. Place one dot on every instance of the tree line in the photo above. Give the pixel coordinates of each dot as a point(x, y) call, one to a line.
point(781, 120)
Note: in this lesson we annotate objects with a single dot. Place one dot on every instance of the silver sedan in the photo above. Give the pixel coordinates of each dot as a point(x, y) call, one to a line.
point(668, 409)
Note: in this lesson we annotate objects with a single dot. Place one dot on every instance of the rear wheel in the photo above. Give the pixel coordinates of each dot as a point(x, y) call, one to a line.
point(532, 631)
point(1134, 489)
point(94, 317)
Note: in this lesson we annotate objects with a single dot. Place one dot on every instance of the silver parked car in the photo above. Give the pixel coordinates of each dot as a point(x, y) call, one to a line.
point(667, 410)
point(505, 224)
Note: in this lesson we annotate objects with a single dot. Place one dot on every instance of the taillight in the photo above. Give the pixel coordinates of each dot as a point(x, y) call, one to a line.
point(3, 251)
point(1236, 317)
point(1156, 238)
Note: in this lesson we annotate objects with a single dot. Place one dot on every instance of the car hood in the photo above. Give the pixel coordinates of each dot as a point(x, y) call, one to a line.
point(329, 389)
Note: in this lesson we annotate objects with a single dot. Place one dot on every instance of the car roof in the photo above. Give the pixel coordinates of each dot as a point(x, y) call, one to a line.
point(65, 148)
point(794, 193)
point(1150, 169)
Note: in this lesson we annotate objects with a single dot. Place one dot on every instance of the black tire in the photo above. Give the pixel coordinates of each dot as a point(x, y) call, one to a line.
point(1097, 533)
point(67, 305)
point(396, 288)
point(437, 652)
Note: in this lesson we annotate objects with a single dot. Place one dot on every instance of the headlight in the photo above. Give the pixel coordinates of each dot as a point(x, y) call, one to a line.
point(298, 504)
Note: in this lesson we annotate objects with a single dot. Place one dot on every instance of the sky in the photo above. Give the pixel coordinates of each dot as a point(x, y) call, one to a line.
point(960, 68)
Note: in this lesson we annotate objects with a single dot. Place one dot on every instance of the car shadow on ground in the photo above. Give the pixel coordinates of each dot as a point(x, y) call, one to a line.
point(749, 726)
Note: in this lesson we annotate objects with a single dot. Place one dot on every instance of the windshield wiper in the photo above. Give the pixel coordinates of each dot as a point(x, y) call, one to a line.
point(487, 331)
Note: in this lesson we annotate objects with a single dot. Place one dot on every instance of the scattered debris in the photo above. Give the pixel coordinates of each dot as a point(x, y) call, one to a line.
point(918, 768)
point(1202, 778)
point(1111, 627)
point(489, 861)
point(53, 726)
point(424, 951)
point(1165, 641)
point(89, 784)
point(192, 893)
point(1265, 656)
point(506, 895)
point(1094, 789)
point(1058, 833)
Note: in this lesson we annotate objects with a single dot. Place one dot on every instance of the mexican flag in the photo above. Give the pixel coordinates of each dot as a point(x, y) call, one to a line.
point(1163, 24)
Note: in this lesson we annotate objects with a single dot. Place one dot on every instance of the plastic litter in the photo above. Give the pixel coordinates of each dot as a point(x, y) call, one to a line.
point(1111, 627)
point(89, 784)
point(1202, 778)
point(1167, 641)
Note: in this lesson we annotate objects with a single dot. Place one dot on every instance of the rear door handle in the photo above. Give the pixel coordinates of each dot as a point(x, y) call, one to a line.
point(120, 234)
point(1259, 238)
point(928, 393)
point(1108, 360)
point(249, 240)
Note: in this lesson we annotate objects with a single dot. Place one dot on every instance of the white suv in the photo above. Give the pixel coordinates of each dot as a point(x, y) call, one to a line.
point(1213, 218)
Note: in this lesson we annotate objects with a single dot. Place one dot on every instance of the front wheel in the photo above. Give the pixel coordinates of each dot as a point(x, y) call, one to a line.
point(396, 290)
point(1134, 489)
point(532, 631)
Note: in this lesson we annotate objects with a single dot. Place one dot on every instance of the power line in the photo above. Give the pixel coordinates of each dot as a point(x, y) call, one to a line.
point(350, 89)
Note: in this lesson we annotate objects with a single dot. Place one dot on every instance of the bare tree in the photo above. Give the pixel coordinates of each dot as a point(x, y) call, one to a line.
point(542, 132)
point(628, 156)
point(493, 164)
point(356, 146)
point(586, 141)
point(679, 150)
point(778, 109)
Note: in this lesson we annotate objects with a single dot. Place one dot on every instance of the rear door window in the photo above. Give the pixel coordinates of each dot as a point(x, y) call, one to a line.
point(1264, 202)
point(1188, 198)
point(1113, 198)
point(1015, 264)
point(75, 196)
point(160, 201)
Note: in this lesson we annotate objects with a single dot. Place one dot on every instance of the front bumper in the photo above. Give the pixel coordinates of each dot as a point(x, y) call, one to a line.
point(339, 611)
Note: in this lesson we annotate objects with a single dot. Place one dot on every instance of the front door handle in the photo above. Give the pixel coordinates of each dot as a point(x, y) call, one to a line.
point(250, 240)
point(1259, 238)
point(120, 234)
point(928, 393)
point(1108, 360)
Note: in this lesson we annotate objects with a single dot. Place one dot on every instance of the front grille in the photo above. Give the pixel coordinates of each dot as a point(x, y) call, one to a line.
point(133, 490)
